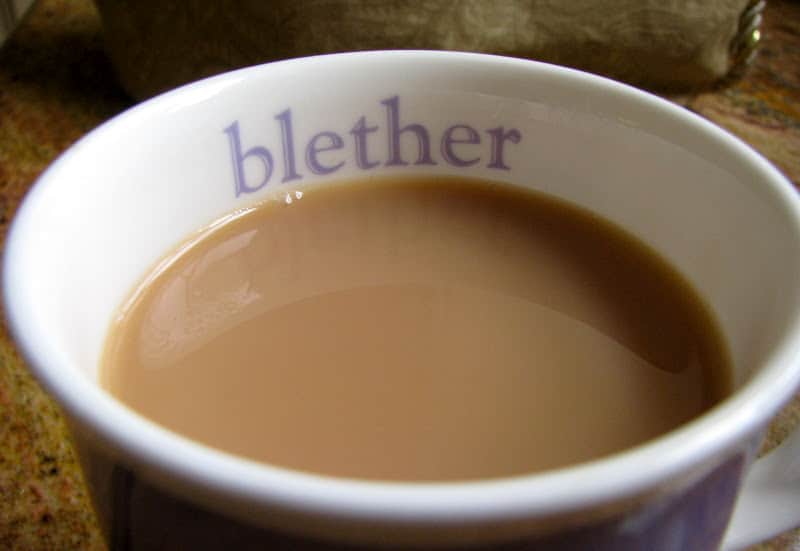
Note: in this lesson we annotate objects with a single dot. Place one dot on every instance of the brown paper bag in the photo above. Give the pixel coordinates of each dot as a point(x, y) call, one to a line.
point(666, 45)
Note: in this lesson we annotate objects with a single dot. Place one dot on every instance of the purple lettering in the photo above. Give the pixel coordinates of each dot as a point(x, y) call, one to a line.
point(499, 137)
point(239, 159)
point(395, 131)
point(460, 145)
point(449, 138)
point(313, 149)
point(287, 139)
point(359, 132)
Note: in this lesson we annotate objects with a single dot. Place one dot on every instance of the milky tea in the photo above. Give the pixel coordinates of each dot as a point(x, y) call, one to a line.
point(416, 328)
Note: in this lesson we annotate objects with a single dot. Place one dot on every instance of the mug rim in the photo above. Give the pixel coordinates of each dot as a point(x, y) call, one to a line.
point(189, 464)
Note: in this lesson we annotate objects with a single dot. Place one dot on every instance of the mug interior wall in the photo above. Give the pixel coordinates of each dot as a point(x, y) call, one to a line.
point(147, 181)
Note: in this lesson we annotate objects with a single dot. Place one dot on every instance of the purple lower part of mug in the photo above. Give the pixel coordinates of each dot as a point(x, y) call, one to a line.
point(146, 519)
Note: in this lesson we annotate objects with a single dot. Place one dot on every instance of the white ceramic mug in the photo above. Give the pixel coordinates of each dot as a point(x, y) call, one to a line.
point(127, 193)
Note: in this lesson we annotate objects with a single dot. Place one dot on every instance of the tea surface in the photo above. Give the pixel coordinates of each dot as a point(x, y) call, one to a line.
point(424, 329)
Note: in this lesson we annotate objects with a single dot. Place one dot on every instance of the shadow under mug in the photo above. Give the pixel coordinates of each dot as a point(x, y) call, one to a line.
point(131, 190)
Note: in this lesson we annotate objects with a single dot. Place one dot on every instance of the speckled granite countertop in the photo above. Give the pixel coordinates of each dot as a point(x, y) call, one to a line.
point(56, 84)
